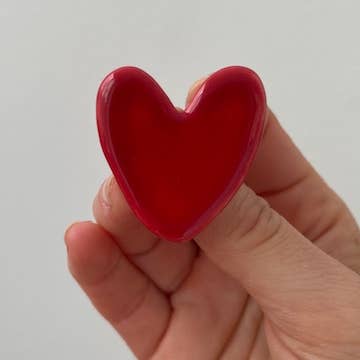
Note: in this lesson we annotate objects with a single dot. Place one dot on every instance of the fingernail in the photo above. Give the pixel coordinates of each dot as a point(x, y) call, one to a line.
point(105, 191)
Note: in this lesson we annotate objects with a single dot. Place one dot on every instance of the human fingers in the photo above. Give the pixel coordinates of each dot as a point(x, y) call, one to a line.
point(166, 263)
point(129, 300)
point(298, 286)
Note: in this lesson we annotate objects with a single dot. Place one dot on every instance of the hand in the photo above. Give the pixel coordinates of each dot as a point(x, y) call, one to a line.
point(276, 274)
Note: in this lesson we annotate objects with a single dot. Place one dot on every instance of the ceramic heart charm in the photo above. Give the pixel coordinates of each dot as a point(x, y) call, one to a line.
point(178, 169)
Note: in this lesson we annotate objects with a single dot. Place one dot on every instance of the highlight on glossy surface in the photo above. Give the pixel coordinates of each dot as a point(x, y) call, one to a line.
point(178, 169)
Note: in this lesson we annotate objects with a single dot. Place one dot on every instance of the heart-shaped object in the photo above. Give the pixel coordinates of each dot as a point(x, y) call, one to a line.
point(178, 169)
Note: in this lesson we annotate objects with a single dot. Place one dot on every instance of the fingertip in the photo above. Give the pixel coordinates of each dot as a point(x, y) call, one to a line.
point(113, 214)
point(75, 231)
point(91, 251)
point(194, 88)
point(109, 206)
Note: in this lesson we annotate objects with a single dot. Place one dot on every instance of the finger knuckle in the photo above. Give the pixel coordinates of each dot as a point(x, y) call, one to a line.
point(255, 222)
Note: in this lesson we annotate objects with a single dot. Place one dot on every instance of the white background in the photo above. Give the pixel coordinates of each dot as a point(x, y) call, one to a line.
point(53, 55)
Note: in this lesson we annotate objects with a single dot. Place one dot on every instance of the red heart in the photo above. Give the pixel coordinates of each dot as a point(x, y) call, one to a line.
point(178, 169)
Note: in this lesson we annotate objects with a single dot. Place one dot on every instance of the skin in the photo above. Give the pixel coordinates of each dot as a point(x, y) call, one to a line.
point(275, 275)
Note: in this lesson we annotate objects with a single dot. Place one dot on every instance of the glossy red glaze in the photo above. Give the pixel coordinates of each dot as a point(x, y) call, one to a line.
point(178, 169)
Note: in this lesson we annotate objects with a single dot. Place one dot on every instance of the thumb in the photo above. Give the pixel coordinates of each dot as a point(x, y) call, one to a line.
point(285, 273)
